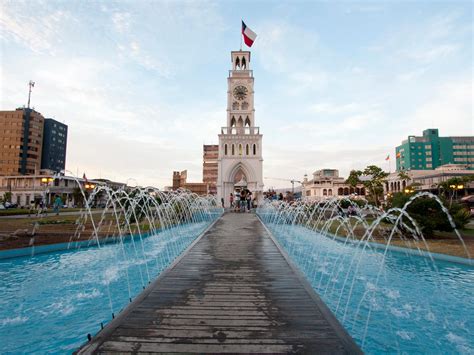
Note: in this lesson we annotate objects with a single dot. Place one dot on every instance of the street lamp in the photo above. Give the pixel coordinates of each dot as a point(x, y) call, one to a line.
point(46, 181)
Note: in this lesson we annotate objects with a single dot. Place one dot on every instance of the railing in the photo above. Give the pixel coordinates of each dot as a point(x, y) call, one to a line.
point(240, 130)
point(241, 73)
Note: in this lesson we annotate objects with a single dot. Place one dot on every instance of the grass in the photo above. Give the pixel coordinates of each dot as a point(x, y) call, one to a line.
point(25, 211)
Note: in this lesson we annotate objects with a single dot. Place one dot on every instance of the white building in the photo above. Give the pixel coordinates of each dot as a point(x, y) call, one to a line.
point(427, 180)
point(240, 142)
point(44, 187)
point(327, 183)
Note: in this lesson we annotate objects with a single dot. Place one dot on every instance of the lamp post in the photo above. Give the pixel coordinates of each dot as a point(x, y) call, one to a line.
point(45, 181)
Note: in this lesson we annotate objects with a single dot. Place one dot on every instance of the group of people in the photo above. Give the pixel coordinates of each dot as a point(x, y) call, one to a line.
point(241, 201)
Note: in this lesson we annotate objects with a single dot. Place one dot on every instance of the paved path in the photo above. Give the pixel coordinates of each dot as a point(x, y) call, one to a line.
point(233, 291)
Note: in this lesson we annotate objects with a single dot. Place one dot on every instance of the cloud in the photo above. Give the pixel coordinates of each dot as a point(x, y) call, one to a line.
point(121, 21)
point(39, 33)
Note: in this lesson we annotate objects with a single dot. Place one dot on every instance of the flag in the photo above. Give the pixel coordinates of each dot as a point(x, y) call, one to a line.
point(249, 35)
point(388, 157)
point(399, 155)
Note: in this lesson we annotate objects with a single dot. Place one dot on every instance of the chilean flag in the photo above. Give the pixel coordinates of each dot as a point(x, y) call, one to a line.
point(249, 35)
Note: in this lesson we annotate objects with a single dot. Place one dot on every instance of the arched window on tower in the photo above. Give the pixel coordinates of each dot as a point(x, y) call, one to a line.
point(235, 106)
point(254, 149)
point(247, 152)
point(245, 105)
point(232, 122)
point(225, 149)
point(247, 122)
point(237, 63)
point(233, 150)
point(240, 149)
point(244, 64)
point(240, 122)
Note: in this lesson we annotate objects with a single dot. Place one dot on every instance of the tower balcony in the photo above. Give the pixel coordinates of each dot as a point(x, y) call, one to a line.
point(240, 73)
point(240, 130)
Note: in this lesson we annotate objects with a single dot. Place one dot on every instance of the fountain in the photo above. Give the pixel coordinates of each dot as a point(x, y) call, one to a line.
point(390, 299)
point(51, 301)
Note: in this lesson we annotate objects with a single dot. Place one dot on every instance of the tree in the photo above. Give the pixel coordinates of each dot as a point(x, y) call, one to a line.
point(354, 178)
point(375, 177)
point(403, 176)
point(428, 213)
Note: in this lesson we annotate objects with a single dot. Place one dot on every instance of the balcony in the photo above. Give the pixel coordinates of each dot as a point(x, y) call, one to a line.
point(240, 130)
point(240, 73)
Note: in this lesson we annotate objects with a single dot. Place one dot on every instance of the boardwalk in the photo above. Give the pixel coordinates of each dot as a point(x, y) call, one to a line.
point(233, 291)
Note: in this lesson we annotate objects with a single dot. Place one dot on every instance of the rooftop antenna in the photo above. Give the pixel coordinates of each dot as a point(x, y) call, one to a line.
point(31, 84)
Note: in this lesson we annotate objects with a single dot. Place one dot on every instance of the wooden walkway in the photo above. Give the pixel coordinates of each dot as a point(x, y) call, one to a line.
point(233, 291)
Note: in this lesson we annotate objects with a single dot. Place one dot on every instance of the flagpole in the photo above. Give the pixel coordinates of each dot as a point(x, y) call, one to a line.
point(241, 34)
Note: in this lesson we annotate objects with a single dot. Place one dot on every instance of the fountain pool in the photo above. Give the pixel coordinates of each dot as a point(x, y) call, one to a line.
point(50, 302)
point(391, 302)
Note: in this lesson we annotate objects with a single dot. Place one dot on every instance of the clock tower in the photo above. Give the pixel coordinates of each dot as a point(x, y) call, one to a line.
point(240, 142)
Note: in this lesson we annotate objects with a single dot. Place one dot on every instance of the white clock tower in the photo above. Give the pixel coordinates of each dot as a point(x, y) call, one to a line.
point(240, 142)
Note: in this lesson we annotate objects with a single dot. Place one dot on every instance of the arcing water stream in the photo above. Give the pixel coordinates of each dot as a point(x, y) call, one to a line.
point(51, 301)
point(389, 301)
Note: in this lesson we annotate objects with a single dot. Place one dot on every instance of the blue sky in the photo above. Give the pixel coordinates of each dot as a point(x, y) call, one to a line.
point(142, 84)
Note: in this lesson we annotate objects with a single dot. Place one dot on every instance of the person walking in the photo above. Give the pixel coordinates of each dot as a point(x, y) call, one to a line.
point(237, 202)
point(243, 202)
point(57, 204)
point(249, 200)
point(231, 200)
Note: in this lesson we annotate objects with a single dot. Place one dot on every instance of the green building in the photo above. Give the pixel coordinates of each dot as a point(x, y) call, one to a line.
point(431, 151)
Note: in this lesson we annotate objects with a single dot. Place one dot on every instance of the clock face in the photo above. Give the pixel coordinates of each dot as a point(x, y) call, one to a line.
point(240, 92)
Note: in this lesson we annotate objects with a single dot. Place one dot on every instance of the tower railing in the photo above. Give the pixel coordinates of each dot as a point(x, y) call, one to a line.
point(240, 73)
point(240, 130)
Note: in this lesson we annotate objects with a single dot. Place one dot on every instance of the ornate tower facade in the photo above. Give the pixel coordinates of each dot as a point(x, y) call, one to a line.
point(240, 142)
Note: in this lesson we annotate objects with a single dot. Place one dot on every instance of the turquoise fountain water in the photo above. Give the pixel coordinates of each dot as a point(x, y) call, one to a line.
point(389, 301)
point(51, 301)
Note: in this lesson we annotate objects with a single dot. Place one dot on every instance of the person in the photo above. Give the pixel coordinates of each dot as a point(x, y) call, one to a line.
point(31, 209)
point(280, 197)
point(237, 202)
point(57, 204)
point(222, 202)
point(249, 200)
point(242, 201)
point(231, 200)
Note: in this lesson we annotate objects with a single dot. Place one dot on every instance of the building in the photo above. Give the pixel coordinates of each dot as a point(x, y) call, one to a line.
point(209, 167)
point(45, 186)
point(54, 145)
point(428, 180)
point(240, 159)
point(21, 141)
point(431, 151)
point(327, 183)
point(180, 182)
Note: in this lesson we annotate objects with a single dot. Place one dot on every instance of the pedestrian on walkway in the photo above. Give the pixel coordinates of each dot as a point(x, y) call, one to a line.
point(57, 204)
point(237, 202)
point(243, 202)
point(231, 200)
point(249, 200)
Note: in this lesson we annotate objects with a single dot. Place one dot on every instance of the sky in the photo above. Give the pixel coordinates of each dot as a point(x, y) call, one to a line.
point(142, 84)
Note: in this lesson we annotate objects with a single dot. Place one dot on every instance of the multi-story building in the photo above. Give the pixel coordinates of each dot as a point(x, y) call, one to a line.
point(54, 145)
point(209, 166)
point(431, 151)
point(180, 182)
point(21, 139)
point(327, 183)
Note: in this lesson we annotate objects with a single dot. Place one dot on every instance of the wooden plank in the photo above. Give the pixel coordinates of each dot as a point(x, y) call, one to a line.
point(232, 291)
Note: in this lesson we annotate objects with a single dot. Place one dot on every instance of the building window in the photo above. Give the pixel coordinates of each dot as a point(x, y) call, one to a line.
point(233, 150)
point(325, 192)
point(225, 149)
point(247, 150)
point(254, 149)
point(240, 149)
